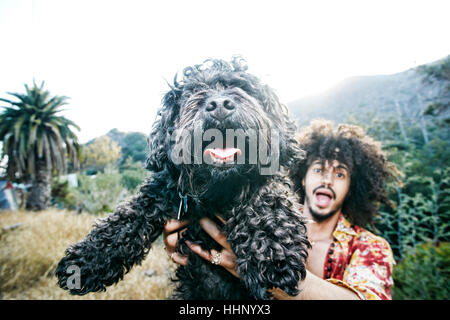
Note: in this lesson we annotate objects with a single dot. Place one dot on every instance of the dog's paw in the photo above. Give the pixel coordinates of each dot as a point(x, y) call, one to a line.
point(286, 278)
point(80, 272)
point(68, 273)
point(284, 275)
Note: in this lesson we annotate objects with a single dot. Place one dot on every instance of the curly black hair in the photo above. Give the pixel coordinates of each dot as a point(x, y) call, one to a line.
point(368, 165)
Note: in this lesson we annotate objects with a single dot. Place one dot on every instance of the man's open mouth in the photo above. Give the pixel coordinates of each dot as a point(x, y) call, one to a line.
point(323, 197)
point(222, 156)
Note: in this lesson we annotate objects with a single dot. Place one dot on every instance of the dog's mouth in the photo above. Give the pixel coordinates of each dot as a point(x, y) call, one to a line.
point(226, 156)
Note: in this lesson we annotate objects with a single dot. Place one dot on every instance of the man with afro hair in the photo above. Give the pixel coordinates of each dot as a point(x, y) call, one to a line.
point(341, 180)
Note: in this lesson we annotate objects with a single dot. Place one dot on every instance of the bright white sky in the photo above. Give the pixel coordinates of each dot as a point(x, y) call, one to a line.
point(112, 57)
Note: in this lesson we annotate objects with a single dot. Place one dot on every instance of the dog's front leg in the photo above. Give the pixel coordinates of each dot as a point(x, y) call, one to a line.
point(268, 237)
point(118, 242)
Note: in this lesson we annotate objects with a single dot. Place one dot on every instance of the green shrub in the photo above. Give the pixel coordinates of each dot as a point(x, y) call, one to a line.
point(101, 193)
point(421, 213)
point(62, 195)
point(133, 174)
point(423, 273)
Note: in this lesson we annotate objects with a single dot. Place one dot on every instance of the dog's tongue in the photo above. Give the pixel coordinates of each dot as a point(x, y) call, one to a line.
point(222, 153)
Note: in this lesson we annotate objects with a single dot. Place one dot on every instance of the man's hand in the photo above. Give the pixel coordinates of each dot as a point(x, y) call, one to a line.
point(172, 233)
point(228, 258)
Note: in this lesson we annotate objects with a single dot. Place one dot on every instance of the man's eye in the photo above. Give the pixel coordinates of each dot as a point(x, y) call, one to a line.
point(340, 175)
point(317, 170)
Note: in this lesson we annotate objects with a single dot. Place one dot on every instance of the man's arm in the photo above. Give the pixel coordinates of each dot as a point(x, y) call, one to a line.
point(369, 271)
point(315, 288)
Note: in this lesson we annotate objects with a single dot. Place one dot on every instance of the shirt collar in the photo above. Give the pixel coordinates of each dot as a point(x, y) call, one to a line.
point(343, 231)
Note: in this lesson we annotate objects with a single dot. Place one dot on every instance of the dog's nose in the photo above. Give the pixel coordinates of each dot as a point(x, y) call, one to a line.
point(220, 107)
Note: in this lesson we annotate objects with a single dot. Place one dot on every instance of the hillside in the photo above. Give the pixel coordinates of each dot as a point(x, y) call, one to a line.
point(133, 144)
point(380, 95)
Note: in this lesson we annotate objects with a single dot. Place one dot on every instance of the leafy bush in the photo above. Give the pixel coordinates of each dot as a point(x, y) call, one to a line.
point(101, 193)
point(62, 195)
point(133, 174)
point(422, 213)
point(423, 273)
point(100, 153)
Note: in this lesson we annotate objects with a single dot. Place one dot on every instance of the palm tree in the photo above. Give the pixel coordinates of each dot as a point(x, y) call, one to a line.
point(37, 141)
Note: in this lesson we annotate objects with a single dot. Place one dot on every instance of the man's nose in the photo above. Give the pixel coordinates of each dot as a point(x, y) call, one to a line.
point(220, 107)
point(327, 178)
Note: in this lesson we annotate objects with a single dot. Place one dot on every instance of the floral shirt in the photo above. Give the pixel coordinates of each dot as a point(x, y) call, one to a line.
point(359, 261)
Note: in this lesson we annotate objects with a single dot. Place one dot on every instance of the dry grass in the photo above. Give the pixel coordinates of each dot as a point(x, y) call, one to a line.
point(29, 254)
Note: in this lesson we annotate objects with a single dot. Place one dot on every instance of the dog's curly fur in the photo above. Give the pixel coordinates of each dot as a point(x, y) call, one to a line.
point(263, 223)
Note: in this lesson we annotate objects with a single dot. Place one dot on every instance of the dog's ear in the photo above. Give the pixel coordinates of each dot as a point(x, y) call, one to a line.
point(286, 126)
point(163, 127)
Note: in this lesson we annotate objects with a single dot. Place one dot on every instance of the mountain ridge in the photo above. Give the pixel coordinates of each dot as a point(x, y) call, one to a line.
point(379, 95)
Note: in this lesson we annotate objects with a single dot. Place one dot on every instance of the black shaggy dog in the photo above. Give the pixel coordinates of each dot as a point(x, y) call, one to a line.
point(263, 224)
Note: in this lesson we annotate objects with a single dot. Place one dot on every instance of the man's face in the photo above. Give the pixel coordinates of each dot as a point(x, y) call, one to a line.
point(326, 187)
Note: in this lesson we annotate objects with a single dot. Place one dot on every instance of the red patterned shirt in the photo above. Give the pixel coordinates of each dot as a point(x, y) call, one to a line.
point(360, 261)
